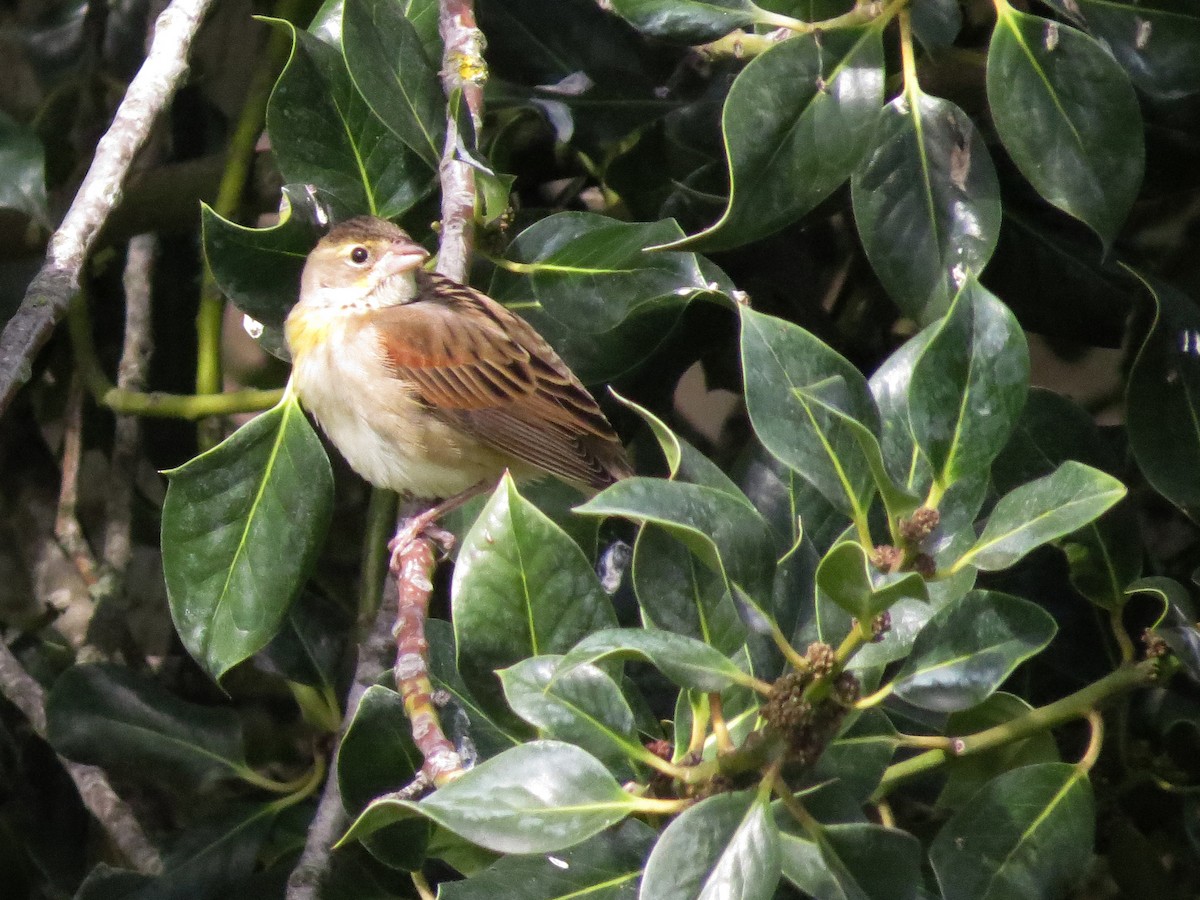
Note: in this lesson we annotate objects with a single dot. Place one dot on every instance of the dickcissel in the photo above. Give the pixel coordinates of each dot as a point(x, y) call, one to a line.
point(429, 387)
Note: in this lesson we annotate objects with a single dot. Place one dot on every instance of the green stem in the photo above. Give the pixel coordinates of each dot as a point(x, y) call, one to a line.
point(153, 404)
point(381, 520)
point(1075, 706)
point(238, 166)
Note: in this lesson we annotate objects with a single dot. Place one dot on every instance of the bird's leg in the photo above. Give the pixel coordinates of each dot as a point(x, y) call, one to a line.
point(424, 525)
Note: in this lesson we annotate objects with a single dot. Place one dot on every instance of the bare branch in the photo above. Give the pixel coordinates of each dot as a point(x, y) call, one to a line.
point(50, 292)
point(463, 75)
point(329, 822)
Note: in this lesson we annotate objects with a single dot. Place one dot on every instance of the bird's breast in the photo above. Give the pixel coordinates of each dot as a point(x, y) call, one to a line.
point(376, 420)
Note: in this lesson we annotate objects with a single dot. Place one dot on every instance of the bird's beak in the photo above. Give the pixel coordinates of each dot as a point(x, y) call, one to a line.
point(400, 257)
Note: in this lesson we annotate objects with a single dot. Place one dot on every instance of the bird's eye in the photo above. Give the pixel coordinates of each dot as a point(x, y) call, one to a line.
point(359, 255)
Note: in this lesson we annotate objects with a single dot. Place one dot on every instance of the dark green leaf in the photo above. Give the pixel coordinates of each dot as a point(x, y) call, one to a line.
point(778, 358)
point(1050, 85)
point(967, 774)
point(377, 756)
point(847, 577)
point(927, 203)
point(259, 268)
point(856, 759)
point(1155, 42)
point(687, 662)
point(796, 123)
point(537, 798)
point(387, 63)
point(310, 647)
point(592, 272)
point(521, 588)
point(605, 867)
point(323, 133)
point(852, 861)
point(678, 593)
point(241, 528)
point(726, 846)
point(23, 162)
point(936, 22)
point(968, 385)
point(890, 388)
point(107, 716)
point(726, 533)
point(1163, 399)
point(1104, 556)
point(686, 21)
point(969, 648)
point(584, 707)
point(1041, 511)
point(1027, 833)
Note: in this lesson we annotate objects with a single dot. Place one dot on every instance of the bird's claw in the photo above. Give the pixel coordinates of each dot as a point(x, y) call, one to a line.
point(415, 530)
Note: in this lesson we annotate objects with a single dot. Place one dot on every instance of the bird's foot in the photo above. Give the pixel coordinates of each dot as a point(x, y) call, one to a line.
point(415, 529)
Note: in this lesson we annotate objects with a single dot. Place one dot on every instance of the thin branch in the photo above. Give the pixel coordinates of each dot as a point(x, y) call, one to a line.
point(49, 294)
point(463, 75)
point(67, 529)
point(109, 627)
point(109, 810)
point(330, 821)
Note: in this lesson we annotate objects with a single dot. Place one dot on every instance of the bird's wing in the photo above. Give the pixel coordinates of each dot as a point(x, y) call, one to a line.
point(485, 370)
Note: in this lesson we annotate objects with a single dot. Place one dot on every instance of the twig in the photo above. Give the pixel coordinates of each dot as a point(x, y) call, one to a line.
point(109, 810)
point(463, 75)
point(50, 292)
point(329, 822)
point(109, 628)
point(67, 529)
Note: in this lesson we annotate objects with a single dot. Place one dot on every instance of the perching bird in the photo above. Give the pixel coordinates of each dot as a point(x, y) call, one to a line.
point(429, 387)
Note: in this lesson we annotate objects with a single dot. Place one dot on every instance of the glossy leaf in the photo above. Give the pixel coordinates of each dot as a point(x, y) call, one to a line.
point(537, 798)
point(889, 386)
point(592, 272)
point(377, 756)
point(855, 760)
point(323, 133)
point(387, 63)
point(779, 358)
point(724, 532)
point(605, 867)
point(521, 588)
point(936, 23)
point(1050, 85)
point(847, 577)
point(310, 647)
point(259, 268)
point(788, 150)
point(241, 528)
point(1042, 511)
point(726, 846)
point(686, 21)
point(853, 861)
point(1163, 399)
point(105, 715)
point(926, 202)
point(1154, 43)
point(678, 593)
point(969, 648)
point(1103, 556)
point(1027, 833)
point(968, 385)
point(584, 707)
point(687, 662)
point(23, 162)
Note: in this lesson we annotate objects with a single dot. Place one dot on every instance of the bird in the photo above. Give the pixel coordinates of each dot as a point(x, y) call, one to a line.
point(429, 387)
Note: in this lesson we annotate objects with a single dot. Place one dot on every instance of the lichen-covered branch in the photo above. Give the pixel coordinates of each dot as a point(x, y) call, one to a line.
point(49, 294)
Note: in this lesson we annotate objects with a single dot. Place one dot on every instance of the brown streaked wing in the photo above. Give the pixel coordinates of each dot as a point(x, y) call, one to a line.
point(487, 371)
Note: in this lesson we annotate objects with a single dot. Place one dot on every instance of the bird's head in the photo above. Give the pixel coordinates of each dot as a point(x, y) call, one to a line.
point(362, 263)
